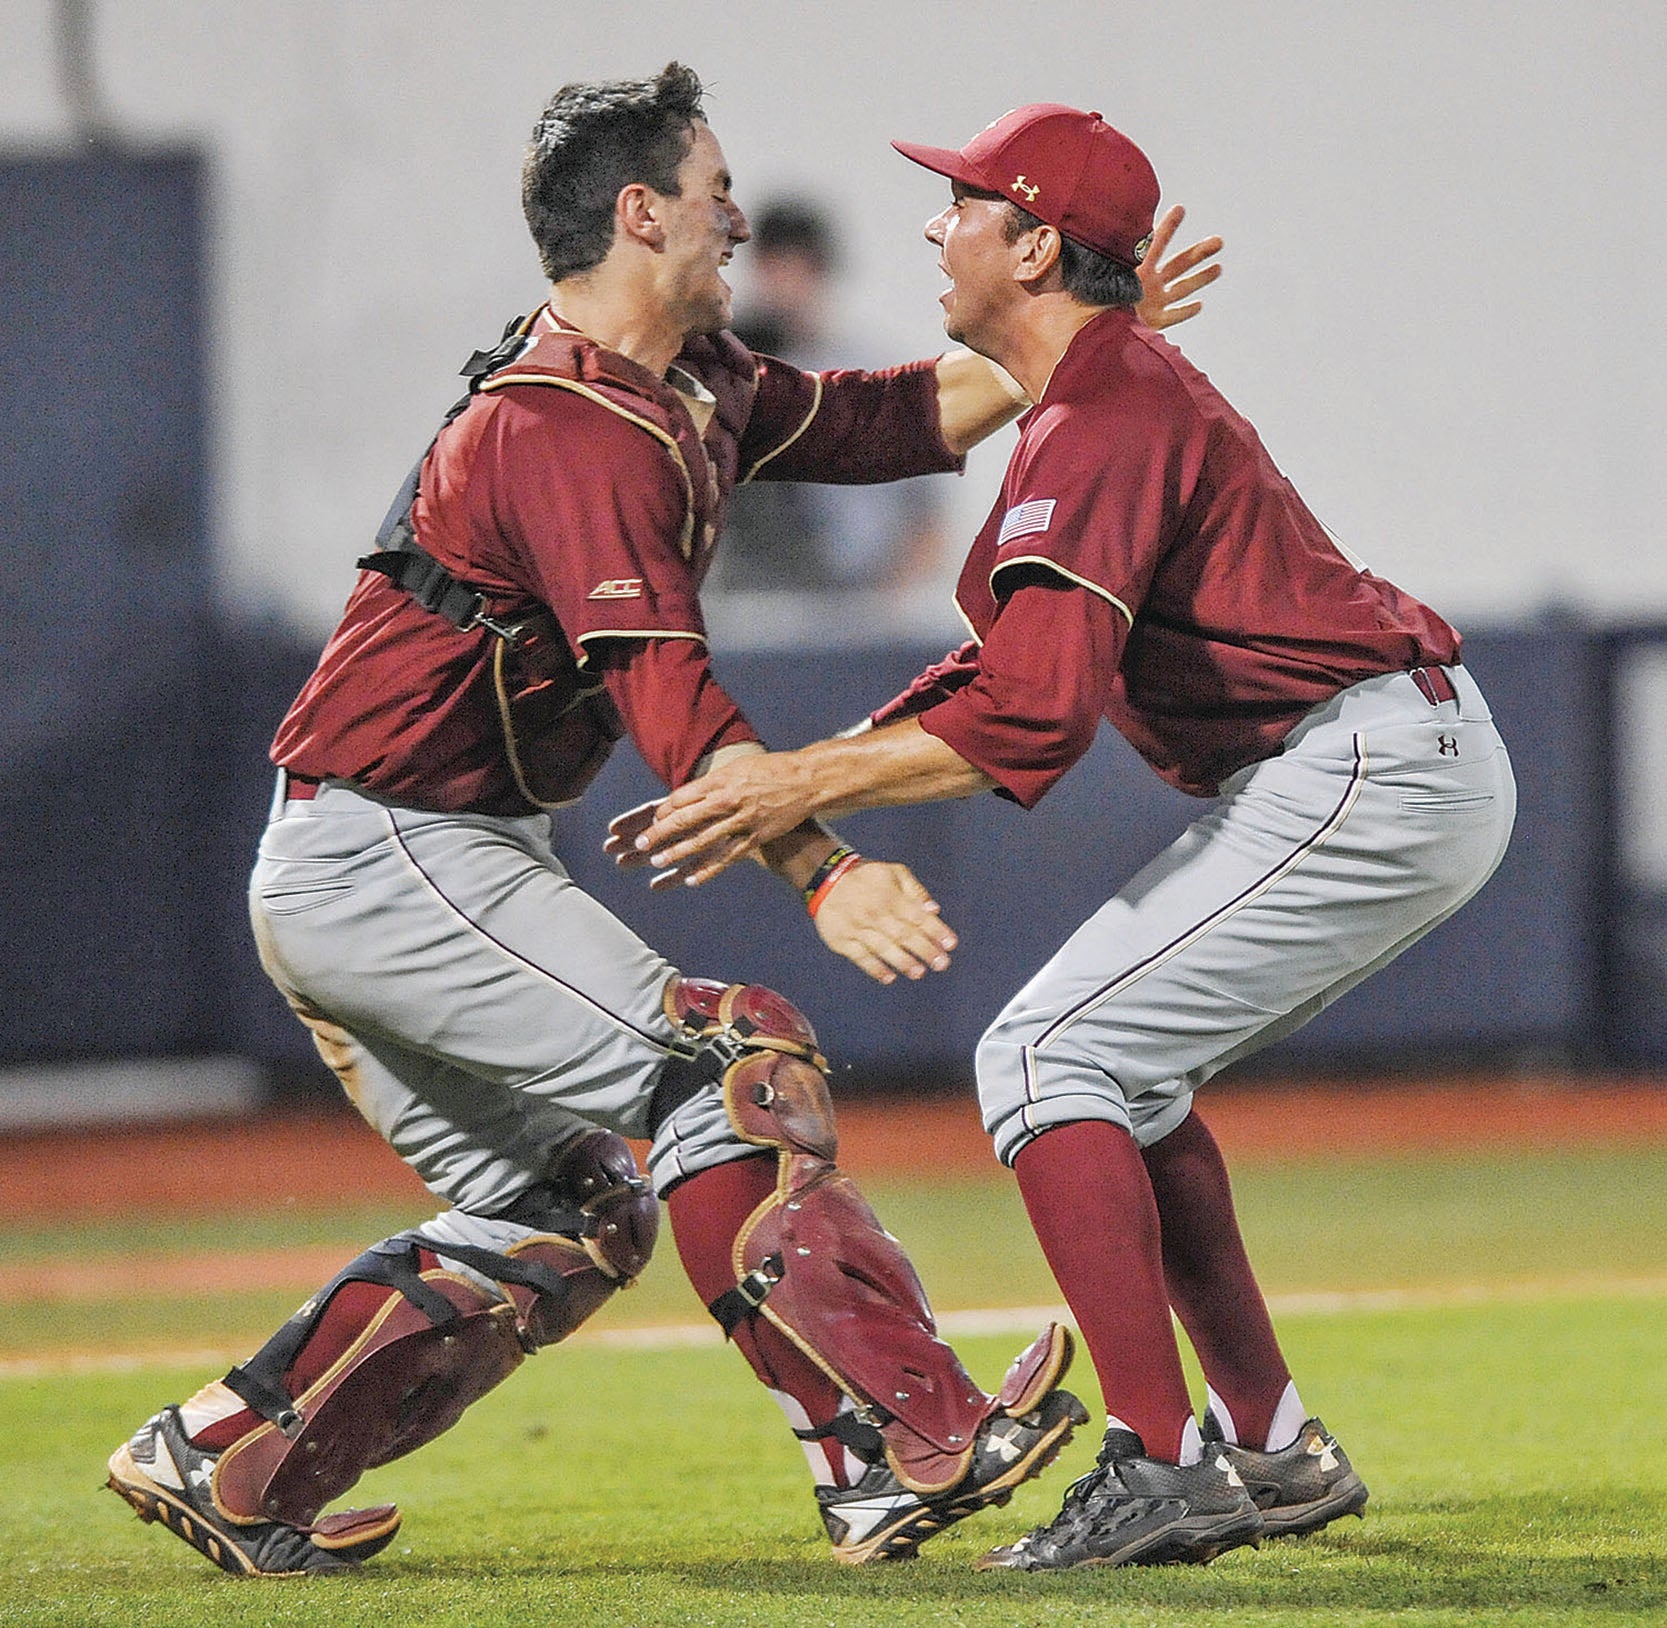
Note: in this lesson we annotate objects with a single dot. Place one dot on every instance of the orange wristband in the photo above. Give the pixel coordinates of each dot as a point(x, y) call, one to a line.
point(826, 875)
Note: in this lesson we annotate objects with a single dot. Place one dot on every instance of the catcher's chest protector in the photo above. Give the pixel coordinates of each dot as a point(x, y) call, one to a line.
point(813, 1259)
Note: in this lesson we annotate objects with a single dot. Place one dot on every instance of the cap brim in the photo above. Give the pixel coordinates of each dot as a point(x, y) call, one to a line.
point(943, 160)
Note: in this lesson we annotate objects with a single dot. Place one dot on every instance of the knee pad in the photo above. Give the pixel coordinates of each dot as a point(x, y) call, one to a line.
point(761, 1050)
point(390, 1352)
point(812, 1259)
point(595, 1223)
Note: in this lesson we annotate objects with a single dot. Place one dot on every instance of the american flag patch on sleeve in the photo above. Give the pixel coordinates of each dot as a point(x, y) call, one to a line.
point(1026, 519)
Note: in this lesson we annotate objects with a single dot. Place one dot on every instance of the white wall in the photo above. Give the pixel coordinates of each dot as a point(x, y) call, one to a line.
point(1445, 233)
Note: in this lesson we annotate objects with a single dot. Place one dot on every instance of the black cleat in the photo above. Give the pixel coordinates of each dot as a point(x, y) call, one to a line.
point(1130, 1510)
point(1301, 1487)
point(881, 1519)
point(166, 1479)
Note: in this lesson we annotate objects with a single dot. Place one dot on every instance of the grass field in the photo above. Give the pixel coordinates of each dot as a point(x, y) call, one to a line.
point(1488, 1336)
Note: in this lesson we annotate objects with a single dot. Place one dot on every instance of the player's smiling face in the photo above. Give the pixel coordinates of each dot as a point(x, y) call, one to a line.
point(703, 225)
point(973, 252)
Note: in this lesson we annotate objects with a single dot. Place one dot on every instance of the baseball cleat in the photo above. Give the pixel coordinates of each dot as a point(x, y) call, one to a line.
point(166, 1479)
point(1301, 1487)
point(879, 1518)
point(1130, 1510)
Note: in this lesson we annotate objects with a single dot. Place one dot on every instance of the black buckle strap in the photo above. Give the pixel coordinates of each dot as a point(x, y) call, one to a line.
point(734, 1306)
point(393, 1264)
point(272, 1402)
point(517, 336)
point(858, 1431)
point(398, 555)
point(409, 566)
point(506, 1268)
point(428, 582)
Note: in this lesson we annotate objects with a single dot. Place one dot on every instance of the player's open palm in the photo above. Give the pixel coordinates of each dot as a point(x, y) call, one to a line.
point(880, 917)
point(1169, 285)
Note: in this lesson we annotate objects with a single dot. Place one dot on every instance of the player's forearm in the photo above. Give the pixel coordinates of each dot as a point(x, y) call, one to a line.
point(975, 398)
point(794, 857)
point(884, 768)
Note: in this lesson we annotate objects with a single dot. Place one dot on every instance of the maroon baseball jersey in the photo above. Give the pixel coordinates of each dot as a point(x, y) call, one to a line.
point(578, 481)
point(1148, 563)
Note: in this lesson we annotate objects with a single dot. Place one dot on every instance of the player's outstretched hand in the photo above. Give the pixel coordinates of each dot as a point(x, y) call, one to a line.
point(880, 918)
point(706, 825)
point(1170, 284)
point(620, 844)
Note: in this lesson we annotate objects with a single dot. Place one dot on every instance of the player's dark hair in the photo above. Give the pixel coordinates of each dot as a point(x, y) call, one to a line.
point(1087, 275)
point(590, 141)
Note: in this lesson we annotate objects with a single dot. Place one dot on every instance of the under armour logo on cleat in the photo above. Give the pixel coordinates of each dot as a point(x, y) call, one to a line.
point(1324, 1449)
point(1007, 1451)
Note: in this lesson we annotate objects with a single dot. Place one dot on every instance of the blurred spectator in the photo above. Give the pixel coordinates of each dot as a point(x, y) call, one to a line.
point(783, 534)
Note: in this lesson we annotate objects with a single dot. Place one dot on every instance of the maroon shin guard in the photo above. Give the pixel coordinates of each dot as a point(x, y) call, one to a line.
point(707, 1212)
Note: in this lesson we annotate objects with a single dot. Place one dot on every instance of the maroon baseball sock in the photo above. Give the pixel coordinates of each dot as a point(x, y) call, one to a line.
point(707, 1211)
point(1211, 1286)
point(1091, 1204)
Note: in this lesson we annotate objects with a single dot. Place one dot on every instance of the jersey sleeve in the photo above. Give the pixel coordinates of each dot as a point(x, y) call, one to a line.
point(940, 681)
point(672, 706)
point(596, 508)
point(846, 426)
point(1044, 678)
point(1089, 500)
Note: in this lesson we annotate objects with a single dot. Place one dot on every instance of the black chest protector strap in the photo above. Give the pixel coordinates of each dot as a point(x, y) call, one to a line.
point(398, 555)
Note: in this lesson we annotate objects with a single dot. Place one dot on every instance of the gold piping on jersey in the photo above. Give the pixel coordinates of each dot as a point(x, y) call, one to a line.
point(815, 408)
point(1070, 576)
point(686, 541)
point(582, 656)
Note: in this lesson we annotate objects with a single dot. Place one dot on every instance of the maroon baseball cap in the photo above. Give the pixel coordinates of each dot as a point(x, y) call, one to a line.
point(1066, 167)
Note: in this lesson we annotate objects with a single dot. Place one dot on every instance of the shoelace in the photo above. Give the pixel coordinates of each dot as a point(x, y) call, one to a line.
point(1074, 1506)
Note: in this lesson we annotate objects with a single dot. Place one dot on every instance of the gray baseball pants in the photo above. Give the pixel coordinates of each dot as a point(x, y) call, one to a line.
point(479, 1008)
point(1383, 814)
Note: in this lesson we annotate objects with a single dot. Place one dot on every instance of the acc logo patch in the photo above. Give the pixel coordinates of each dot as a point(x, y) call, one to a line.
point(1026, 519)
point(617, 588)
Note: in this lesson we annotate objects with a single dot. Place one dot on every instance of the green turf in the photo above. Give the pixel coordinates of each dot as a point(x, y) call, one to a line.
point(1349, 1224)
point(1516, 1448)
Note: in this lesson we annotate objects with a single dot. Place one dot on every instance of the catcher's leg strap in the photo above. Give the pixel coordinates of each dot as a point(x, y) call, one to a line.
point(392, 1351)
point(812, 1259)
point(403, 1359)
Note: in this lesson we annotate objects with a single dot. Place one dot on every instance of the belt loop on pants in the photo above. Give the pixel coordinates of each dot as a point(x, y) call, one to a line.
point(299, 788)
point(1434, 684)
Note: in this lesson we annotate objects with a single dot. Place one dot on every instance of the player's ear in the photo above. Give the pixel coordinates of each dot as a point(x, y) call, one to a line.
point(637, 215)
point(1036, 253)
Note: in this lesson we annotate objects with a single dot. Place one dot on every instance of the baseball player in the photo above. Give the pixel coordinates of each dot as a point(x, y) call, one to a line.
point(533, 600)
point(1146, 562)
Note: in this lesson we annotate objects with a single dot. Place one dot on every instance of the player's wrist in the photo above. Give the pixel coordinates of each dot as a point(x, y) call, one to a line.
point(823, 879)
point(794, 856)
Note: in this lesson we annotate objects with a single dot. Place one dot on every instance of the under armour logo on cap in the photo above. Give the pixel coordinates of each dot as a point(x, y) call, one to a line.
point(1071, 168)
